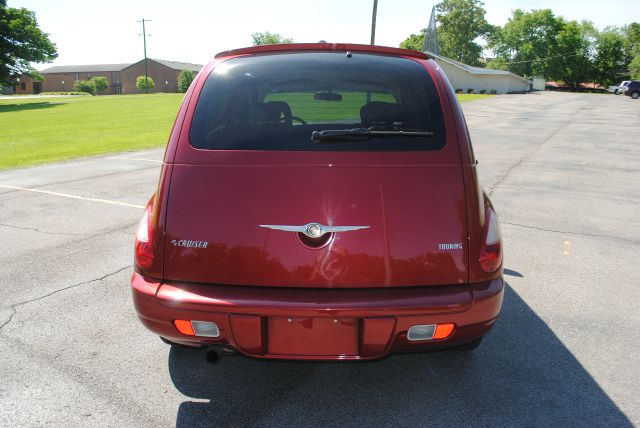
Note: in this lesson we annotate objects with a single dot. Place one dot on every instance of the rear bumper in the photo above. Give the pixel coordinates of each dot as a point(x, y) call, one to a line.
point(370, 323)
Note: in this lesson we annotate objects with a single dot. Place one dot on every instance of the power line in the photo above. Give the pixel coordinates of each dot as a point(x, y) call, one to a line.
point(545, 58)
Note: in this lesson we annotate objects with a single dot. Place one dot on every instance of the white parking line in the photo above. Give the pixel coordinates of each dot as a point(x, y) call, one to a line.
point(134, 159)
point(67, 195)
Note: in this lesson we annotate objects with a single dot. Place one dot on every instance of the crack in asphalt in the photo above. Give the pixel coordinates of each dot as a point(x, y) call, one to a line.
point(79, 180)
point(505, 175)
point(13, 313)
point(533, 152)
point(46, 232)
point(16, 305)
point(595, 235)
point(96, 234)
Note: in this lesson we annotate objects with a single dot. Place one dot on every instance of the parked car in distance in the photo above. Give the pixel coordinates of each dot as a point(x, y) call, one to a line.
point(620, 88)
point(319, 202)
point(632, 89)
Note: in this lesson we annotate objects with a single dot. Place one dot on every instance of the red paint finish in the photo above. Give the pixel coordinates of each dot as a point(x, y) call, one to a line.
point(430, 210)
point(247, 333)
point(378, 317)
point(376, 335)
point(313, 336)
point(346, 47)
point(271, 295)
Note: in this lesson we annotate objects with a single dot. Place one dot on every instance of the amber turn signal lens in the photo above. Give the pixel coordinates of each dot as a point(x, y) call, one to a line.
point(429, 332)
point(184, 327)
point(443, 331)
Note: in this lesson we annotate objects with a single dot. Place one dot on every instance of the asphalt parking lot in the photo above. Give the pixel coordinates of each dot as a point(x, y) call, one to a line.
point(562, 170)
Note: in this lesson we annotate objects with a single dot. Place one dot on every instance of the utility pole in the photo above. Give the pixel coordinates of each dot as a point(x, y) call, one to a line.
point(144, 41)
point(373, 34)
point(373, 22)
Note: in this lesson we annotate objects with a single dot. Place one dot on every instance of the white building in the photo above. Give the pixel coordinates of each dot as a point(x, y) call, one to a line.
point(465, 77)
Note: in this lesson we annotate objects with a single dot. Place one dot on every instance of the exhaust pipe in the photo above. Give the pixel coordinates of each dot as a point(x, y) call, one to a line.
point(214, 352)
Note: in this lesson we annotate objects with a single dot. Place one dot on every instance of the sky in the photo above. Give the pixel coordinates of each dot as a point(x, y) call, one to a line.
point(96, 32)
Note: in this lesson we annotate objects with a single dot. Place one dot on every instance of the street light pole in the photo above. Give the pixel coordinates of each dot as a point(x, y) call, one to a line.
point(373, 22)
point(144, 41)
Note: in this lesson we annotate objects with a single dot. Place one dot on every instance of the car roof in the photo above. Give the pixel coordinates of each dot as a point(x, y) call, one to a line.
point(298, 47)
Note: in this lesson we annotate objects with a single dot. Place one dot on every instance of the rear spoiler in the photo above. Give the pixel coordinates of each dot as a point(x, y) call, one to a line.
point(297, 47)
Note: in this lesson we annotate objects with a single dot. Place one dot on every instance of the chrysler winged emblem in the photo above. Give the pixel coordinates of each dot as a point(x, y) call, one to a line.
point(312, 230)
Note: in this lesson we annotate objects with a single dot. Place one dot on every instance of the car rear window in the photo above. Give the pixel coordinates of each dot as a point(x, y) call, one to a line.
point(277, 101)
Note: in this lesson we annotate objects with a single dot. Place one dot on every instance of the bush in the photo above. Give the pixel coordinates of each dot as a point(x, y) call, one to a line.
point(483, 91)
point(141, 83)
point(101, 83)
point(85, 86)
point(184, 80)
point(469, 91)
point(493, 92)
point(459, 91)
point(64, 93)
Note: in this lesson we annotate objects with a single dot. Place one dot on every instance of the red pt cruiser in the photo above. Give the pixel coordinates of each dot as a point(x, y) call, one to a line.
point(320, 202)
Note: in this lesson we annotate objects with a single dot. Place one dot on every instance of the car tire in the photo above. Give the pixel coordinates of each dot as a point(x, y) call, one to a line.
point(469, 346)
point(635, 95)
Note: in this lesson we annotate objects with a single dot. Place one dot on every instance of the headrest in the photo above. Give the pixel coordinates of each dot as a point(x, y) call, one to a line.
point(278, 112)
point(381, 113)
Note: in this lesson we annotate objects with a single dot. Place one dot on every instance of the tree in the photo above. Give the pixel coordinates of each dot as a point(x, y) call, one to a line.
point(528, 42)
point(101, 83)
point(461, 22)
point(85, 86)
point(611, 59)
point(143, 83)
point(573, 66)
point(267, 38)
point(632, 39)
point(35, 74)
point(498, 64)
point(415, 42)
point(21, 43)
point(634, 68)
point(184, 80)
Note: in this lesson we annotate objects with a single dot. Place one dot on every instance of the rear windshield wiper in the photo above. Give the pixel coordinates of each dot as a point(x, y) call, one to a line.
point(365, 133)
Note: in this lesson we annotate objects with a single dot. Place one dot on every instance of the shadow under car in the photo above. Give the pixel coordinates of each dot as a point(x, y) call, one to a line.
point(522, 374)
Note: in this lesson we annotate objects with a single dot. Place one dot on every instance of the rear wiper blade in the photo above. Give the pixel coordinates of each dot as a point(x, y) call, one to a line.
point(365, 133)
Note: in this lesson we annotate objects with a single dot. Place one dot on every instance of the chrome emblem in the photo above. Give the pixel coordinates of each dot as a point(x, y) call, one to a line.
point(312, 230)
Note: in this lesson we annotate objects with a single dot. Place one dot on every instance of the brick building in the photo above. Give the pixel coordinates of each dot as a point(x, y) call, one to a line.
point(121, 77)
point(25, 84)
point(164, 74)
point(62, 78)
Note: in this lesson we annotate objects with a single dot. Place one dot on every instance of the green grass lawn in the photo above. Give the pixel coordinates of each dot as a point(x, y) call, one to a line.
point(38, 130)
point(472, 97)
point(303, 105)
point(48, 129)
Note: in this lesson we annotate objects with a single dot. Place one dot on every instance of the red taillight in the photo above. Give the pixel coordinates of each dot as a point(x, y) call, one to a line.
point(144, 239)
point(491, 252)
point(184, 327)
